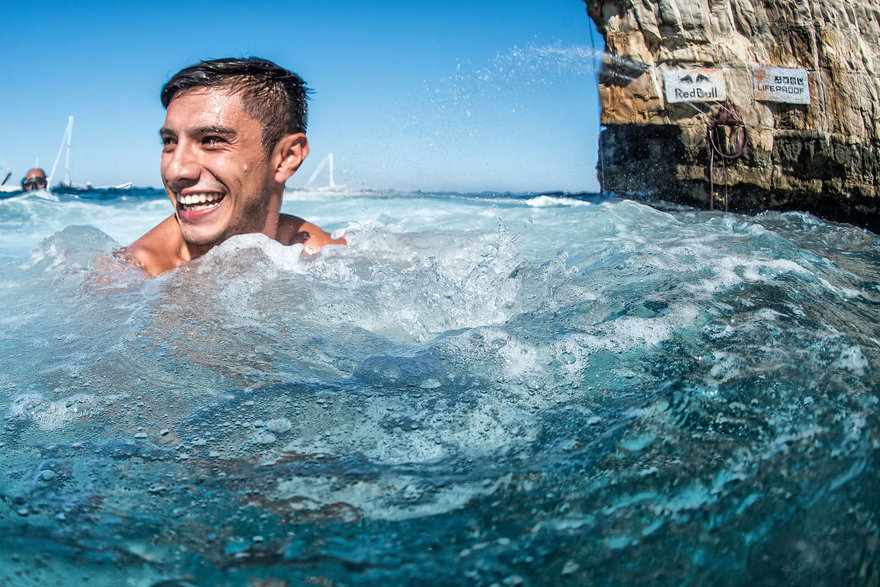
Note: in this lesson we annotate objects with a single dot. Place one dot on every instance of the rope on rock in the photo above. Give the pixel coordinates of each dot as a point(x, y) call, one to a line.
point(728, 138)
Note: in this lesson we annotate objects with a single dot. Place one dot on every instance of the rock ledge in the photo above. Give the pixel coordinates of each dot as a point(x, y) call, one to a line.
point(821, 157)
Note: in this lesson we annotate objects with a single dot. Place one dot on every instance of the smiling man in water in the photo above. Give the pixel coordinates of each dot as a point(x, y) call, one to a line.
point(234, 132)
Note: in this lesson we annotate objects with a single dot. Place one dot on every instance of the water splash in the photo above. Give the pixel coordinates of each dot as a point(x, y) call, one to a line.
point(518, 68)
point(542, 64)
point(485, 389)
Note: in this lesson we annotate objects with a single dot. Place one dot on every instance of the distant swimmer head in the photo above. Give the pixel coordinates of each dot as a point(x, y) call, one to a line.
point(35, 179)
point(273, 95)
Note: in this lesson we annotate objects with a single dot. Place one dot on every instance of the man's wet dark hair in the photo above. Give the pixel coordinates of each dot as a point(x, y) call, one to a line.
point(271, 94)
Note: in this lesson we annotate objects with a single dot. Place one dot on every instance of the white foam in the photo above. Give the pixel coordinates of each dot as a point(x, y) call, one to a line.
point(390, 497)
point(628, 333)
point(51, 414)
point(853, 359)
point(555, 201)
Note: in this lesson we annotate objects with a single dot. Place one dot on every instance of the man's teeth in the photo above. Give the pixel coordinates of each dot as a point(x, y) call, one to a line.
point(199, 200)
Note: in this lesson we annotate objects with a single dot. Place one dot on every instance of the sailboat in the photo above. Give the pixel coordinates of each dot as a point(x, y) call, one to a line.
point(331, 186)
point(66, 184)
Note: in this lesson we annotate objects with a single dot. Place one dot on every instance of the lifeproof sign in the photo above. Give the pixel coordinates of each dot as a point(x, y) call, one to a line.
point(694, 85)
point(780, 84)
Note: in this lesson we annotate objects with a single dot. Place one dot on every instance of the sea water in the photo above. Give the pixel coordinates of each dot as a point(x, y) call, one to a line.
point(487, 389)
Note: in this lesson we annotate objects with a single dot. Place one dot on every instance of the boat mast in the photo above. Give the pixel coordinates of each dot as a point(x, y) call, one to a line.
point(67, 159)
point(327, 159)
point(330, 161)
point(67, 132)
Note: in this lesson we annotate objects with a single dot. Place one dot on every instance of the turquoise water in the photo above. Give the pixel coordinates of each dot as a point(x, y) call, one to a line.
point(509, 389)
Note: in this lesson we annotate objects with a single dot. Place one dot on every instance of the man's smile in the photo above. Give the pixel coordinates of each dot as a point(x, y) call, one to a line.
point(198, 201)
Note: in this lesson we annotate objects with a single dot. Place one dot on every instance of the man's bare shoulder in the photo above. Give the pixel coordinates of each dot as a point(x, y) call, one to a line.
point(293, 230)
point(158, 251)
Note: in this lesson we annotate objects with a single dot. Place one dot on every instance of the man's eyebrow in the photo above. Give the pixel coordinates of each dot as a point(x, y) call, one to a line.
point(201, 130)
point(213, 130)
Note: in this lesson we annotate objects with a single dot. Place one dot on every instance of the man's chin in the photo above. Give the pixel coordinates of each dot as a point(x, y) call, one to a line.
point(201, 239)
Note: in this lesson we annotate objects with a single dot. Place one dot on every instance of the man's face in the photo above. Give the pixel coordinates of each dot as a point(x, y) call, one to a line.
point(215, 169)
point(34, 180)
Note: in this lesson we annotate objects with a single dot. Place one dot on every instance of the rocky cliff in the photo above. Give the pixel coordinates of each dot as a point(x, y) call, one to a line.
point(794, 119)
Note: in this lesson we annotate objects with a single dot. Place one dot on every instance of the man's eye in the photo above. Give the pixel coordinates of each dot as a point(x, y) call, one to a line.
point(212, 141)
point(168, 142)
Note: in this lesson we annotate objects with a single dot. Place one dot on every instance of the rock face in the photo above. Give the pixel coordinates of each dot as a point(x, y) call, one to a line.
point(822, 156)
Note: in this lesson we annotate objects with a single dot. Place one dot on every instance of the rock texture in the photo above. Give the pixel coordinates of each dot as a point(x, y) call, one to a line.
point(822, 157)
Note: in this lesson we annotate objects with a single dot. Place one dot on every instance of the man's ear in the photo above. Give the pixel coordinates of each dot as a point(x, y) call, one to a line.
point(288, 155)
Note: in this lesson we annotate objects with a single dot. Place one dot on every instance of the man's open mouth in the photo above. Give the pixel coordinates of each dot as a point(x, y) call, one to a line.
point(194, 202)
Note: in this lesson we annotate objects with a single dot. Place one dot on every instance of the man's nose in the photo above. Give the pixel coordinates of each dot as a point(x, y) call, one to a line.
point(182, 165)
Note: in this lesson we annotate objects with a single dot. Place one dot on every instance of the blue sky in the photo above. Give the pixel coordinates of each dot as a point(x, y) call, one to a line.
point(456, 95)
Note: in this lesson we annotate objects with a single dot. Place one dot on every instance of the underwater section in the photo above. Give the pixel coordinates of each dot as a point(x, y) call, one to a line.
point(511, 390)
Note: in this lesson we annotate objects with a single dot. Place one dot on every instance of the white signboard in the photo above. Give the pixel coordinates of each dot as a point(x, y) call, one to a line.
point(779, 84)
point(694, 85)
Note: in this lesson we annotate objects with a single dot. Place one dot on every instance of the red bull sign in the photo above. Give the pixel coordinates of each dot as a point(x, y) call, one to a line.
point(780, 84)
point(694, 85)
